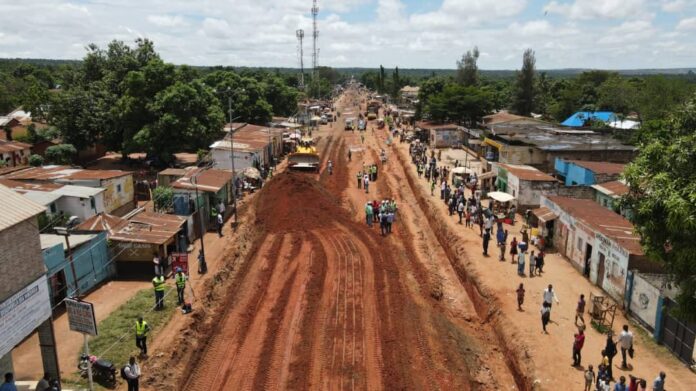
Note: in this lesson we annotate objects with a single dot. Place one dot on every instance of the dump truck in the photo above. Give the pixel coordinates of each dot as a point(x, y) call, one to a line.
point(373, 109)
point(305, 157)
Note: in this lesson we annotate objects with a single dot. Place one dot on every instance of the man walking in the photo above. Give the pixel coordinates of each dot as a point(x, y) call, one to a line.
point(532, 264)
point(549, 296)
point(220, 222)
point(520, 296)
point(580, 311)
point(658, 383)
point(180, 279)
point(158, 284)
point(368, 214)
point(360, 179)
point(626, 344)
point(141, 330)
point(486, 239)
point(577, 347)
point(132, 372)
point(366, 182)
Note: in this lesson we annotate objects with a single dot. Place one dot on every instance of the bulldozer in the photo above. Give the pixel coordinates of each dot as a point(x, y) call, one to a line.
point(305, 157)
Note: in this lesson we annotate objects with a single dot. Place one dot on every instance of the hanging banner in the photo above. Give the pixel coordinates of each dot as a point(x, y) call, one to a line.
point(22, 313)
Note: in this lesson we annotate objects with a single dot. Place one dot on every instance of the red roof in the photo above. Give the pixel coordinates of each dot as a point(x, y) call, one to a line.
point(13, 146)
point(49, 173)
point(431, 125)
point(608, 223)
point(600, 167)
point(211, 180)
point(613, 188)
point(143, 227)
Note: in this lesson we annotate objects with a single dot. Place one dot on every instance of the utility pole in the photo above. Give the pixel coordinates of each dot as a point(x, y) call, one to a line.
point(234, 172)
point(300, 37)
point(315, 38)
point(202, 265)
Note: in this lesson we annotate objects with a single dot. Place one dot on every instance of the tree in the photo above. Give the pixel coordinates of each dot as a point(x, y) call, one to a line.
point(662, 199)
point(618, 95)
point(544, 94)
point(523, 101)
point(163, 197)
point(396, 83)
point(61, 154)
point(467, 70)
point(381, 80)
point(459, 104)
point(36, 160)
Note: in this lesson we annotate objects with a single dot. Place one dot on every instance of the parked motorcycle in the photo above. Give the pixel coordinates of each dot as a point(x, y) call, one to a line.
point(102, 369)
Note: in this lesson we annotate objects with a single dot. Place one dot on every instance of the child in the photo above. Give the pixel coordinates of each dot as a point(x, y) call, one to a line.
point(545, 316)
point(513, 249)
point(520, 297)
point(589, 378)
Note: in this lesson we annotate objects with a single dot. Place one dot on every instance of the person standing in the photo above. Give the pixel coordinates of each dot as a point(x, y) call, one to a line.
point(132, 372)
point(626, 345)
point(578, 343)
point(368, 214)
point(366, 182)
point(432, 187)
point(580, 311)
point(44, 383)
point(501, 236)
point(486, 240)
point(141, 330)
point(158, 285)
point(9, 384)
point(658, 383)
point(460, 210)
point(520, 264)
point(520, 296)
point(589, 378)
point(180, 279)
point(532, 264)
point(220, 223)
point(610, 353)
point(621, 385)
point(157, 263)
point(513, 249)
point(545, 316)
point(540, 262)
point(360, 179)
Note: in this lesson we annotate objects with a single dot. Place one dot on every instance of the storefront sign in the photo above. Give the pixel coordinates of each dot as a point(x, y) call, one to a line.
point(81, 316)
point(22, 313)
point(180, 260)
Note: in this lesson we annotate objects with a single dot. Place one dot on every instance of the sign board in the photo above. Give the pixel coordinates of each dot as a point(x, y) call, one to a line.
point(81, 316)
point(23, 312)
point(180, 260)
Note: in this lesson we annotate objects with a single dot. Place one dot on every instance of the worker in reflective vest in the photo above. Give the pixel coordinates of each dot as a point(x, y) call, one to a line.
point(141, 330)
point(158, 283)
point(180, 279)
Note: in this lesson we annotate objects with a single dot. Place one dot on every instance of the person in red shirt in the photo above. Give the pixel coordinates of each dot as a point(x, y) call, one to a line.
point(577, 347)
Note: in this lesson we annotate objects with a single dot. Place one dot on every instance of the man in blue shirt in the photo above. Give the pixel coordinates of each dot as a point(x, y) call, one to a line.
point(658, 384)
point(8, 385)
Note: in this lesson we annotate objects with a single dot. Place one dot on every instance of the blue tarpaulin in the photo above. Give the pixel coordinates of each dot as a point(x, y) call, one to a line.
point(580, 118)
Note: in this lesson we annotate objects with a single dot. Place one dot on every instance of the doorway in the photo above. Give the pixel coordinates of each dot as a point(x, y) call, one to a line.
point(59, 287)
point(600, 270)
point(588, 256)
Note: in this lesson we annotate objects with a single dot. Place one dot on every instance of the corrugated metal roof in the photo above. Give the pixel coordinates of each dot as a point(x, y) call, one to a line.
point(16, 208)
point(527, 173)
point(44, 198)
point(50, 173)
point(211, 180)
point(600, 167)
point(143, 227)
point(50, 240)
point(79, 191)
point(581, 117)
point(615, 188)
point(13, 146)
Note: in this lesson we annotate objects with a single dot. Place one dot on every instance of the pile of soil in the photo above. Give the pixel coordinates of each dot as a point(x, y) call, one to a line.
point(295, 201)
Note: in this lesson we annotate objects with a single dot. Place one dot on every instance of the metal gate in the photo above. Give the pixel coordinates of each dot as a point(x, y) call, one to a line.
point(678, 335)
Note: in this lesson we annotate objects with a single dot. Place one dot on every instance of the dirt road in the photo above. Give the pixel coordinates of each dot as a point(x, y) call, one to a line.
point(327, 303)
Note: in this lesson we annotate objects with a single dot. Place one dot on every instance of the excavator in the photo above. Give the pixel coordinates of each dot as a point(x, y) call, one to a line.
point(305, 157)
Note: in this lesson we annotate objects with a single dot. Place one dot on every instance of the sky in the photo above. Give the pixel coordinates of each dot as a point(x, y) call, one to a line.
point(604, 34)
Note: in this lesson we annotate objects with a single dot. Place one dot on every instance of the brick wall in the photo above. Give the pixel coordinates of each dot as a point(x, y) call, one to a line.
point(583, 192)
point(20, 259)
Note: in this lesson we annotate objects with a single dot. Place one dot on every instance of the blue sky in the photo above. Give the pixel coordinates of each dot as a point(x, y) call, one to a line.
point(607, 34)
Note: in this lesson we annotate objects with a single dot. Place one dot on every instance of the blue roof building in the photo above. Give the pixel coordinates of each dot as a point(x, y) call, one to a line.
point(581, 118)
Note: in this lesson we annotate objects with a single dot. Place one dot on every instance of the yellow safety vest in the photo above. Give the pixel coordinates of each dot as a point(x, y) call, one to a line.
point(158, 282)
point(140, 328)
point(180, 280)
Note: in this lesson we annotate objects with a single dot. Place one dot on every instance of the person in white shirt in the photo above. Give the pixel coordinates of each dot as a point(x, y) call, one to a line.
point(626, 343)
point(550, 295)
point(132, 372)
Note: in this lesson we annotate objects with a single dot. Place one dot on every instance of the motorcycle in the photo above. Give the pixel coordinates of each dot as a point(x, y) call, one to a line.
point(102, 369)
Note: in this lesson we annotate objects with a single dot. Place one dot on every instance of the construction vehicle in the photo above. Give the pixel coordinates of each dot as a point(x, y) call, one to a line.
point(373, 109)
point(350, 122)
point(305, 157)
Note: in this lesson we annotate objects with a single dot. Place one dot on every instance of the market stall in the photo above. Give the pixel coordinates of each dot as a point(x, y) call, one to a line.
point(501, 205)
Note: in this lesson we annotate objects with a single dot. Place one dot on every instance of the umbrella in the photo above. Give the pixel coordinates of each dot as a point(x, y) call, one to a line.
point(500, 196)
point(460, 170)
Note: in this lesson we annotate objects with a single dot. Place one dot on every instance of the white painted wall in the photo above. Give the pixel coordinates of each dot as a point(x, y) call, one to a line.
point(242, 159)
point(80, 207)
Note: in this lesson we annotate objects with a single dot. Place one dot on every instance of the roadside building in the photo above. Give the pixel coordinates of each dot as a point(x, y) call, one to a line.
point(600, 244)
point(212, 186)
point(167, 176)
point(525, 183)
point(409, 95)
point(25, 304)
point(117, 185)
point(540, 146)
point(587, 173)
point(608, 194)
point(14, 153)
point(442, 135)
point(137, 237)
point(88, 256)
point(254, 146)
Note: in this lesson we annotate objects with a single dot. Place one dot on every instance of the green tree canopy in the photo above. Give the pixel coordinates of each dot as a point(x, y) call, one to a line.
point(662, 198)
point(525, 91)
point(61, 154)
point(467, 70)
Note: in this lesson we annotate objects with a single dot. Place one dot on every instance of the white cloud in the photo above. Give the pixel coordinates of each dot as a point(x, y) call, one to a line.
point(167, 20)
point(453, 12)
point(673, 5)
point(688, 24)
point(604, 9)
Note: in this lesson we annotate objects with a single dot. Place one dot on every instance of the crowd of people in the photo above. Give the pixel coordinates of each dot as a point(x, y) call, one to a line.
point(472, 212)
point(383, 212)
